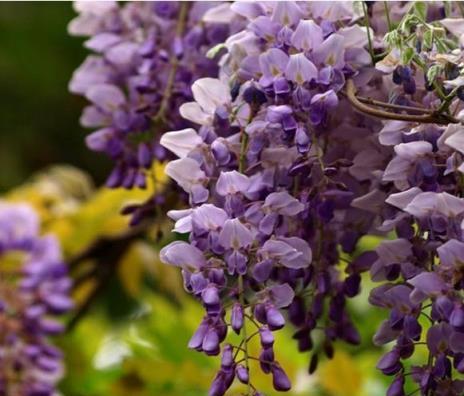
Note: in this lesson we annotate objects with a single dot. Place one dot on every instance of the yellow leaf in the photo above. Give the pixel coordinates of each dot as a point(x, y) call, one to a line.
point(341, 376)
point(131, 269)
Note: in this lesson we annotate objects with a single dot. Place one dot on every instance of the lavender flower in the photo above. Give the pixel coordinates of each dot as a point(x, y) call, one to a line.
point(266, 182)
point(146, 56)
point(32, 294)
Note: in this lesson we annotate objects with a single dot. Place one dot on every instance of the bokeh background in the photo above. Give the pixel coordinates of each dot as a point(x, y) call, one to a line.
point(131, 339)
point(38, 117)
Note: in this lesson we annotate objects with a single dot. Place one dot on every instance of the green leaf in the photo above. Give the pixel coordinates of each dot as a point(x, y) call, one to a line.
point(433, 72)
point(420, 9)
point(428, 39)
point(407, 56)
point(392, 38)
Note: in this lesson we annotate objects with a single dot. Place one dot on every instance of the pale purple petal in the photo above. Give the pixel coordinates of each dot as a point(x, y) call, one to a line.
point(182, 254)
point(235, 235)
point(181, 142)
point(300, 69)
point(232, 183)
point(307, 35)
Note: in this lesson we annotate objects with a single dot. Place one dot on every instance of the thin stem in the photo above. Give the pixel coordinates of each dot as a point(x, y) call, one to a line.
point(386, 105)
point(244, 330)
point(242, 159)
point(369, 39)
point(174, 63)
point(252, 321)
point(387, 14)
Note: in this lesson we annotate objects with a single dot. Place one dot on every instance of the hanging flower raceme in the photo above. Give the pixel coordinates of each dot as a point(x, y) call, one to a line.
point(271, 173)
point(419, 197)
point(32, 295)
point(146, 55)
point(420, 270)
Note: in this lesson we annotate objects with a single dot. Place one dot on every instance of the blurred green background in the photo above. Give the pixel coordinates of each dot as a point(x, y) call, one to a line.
point(38, 117)
point(133, 339)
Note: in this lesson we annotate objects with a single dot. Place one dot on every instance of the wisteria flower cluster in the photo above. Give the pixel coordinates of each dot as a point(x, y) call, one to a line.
point(32, 295)
point(322, 122)
point(146, 56)
point(271, 176)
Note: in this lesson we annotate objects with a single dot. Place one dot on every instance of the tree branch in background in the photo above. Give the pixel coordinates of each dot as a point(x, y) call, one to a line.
point(107, 252)
point(430, 117)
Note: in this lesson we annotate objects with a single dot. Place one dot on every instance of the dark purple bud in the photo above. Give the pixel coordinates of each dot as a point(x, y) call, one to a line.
point(236, 317)
point(404, 229)
point(405, 347)
point(336, 308)
point(197, 339)
point(409, 86)
point(405, 72)
point(280, 380)
point(442, 367)
point(266, 359)
point(396, 388)
point(457, 317)
point(216, 276)
point(350, 334)
point(389, 363)
point(210, 295)
point(58, 303)
point(211, 342)
point(459, 362)
point(397, 79)
point(351, 285)
point(144, 155)
point(444, 307)
point(34, 312)
point(297, 311)
point(262, 270)
point(260, 313)
point(460, 93)
point(51, 327)
point(220, 151)
point(305, 343)
point(48, 364)
point(254, 96)
point(165, 9)
point(364, 261)
point(349, 241)
point(411, 327)
point(317, 306)
point(218, 386)
point(313, 363)
point(328, 349)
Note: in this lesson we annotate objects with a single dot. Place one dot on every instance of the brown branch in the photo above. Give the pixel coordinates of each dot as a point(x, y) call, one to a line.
point(87, 304)
point(386, 105)
point(431, 118)
point(106, 244)
point(107, 251)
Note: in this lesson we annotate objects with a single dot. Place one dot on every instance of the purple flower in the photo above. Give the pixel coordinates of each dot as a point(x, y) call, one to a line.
point(41, 293)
